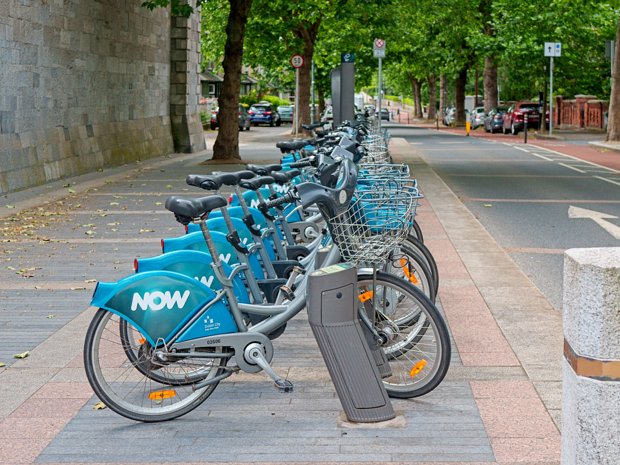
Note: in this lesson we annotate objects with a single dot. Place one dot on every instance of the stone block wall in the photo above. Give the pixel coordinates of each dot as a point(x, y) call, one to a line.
point(84, 84)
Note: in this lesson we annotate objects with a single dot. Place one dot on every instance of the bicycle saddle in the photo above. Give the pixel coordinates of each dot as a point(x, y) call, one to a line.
point(256, 183)
point(187, 209)
point(292, 145)
point(207, 182)
point(232, 179)
point(285, 176)
point(264, 170)
point(310, 127)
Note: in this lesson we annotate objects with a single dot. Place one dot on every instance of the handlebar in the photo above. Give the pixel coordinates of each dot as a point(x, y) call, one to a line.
point(310, 161)
point(289, 197)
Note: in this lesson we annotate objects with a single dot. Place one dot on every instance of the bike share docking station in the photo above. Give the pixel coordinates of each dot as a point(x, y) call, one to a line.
point(355, 369)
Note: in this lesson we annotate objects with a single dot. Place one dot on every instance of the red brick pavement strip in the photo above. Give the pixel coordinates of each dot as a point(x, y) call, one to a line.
point(26, 432)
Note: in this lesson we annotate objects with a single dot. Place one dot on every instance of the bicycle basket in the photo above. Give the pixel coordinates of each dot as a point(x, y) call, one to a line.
point(373, 225)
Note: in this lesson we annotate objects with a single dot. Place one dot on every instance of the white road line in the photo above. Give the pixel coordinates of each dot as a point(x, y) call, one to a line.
point(572, 168)
point(522, 149)
point(541, 156)
point(608, 180)
point(575, 158)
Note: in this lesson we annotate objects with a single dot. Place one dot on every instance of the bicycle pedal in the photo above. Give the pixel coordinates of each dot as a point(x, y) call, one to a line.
point(283, 385)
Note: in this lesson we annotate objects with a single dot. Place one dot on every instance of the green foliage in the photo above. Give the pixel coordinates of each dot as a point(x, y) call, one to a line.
point(177, 7)
point(252, 98)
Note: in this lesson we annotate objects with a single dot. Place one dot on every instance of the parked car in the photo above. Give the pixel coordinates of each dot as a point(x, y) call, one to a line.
point(263, 113)
point(385, 114)
point(328, 114)
point(514, 117)
point(477, 117)
point(449, 117)
point(286, 113)
point(494, 121)
point(244, 119)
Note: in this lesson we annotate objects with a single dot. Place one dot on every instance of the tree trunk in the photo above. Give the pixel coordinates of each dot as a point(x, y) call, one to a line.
point(459, 96)
point(226, 145)
point(490, 84)
point(416, 89)
point(308, 34)
point(432, 97)
point(443, 96)
point(613, 122)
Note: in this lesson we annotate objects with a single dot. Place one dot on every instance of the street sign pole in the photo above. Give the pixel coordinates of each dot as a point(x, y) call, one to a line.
point(297, 61)
point(380, 87)
point(551, 50)
point(379, 53)
point(296, 101)
point(550, 96)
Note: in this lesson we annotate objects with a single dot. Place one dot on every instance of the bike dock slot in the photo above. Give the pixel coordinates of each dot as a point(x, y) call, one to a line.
point(332, 313)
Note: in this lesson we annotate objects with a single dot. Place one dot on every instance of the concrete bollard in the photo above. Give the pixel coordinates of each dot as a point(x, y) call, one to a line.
point(591, 365)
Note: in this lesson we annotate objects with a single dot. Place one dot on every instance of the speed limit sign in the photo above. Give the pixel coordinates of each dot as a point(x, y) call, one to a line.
point(297, 61)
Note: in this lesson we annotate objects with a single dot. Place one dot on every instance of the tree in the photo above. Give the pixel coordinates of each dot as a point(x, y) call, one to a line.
point(226, 146)
point(613, 124)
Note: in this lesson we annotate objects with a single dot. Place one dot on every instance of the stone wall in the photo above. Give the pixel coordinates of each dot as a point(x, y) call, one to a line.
point(84, 84)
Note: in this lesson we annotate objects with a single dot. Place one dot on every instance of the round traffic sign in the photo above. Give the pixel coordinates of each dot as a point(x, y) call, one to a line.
point(297, 61)
point(379, 43)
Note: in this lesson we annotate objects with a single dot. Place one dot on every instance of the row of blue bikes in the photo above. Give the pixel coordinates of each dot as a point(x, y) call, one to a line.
point(219, 295)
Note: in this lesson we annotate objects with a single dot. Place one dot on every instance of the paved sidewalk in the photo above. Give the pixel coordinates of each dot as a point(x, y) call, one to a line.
point(500, 403)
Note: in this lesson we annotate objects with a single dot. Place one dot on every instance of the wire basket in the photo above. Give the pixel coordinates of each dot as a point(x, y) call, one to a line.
point(373, 225)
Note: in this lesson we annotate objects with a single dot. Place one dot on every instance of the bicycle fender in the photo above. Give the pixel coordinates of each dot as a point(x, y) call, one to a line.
point(159, 303)
point(196, 241)
point(195, 264)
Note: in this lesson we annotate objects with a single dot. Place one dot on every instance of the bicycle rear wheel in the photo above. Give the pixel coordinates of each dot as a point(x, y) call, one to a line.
point(413, 333)
point(129, 387)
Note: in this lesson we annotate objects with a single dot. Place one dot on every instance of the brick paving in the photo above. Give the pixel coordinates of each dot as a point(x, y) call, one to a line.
point(498, 405)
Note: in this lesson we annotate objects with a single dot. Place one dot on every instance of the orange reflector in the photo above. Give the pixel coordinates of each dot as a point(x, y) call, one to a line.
point(365, 296)
point(417, 368)
point(141, 340)
point(408, 273)
point(162, 394)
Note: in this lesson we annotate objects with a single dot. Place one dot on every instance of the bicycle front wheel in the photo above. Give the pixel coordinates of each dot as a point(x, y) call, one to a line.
point(412, 333)
point(141, 388)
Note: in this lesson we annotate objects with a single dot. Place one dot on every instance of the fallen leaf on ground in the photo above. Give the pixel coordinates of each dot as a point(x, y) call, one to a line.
point(488, 204)
point(90, 281)
point(22, 355)
point(50, 316)
point(89, 233)
point(78, 288)
point(71, 191)
point(10, 206)
point(114, 203)
point(99, 406)
point(2, 365)
point(146, 231)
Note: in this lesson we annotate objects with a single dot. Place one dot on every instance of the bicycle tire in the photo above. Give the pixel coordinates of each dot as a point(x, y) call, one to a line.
point(407, 264)
point(419, 353)
point(416, 231)
point(427, 256)
point(138, 351)
point(124, 388)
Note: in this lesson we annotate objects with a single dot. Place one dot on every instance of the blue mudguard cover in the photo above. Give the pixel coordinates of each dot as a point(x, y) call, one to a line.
point(196, 265)
point(160, 303)
point(227, 253)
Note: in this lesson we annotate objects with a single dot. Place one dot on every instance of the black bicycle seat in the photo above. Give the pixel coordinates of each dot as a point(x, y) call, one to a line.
point(257, 183)
point(310, 127)
point(284, 177)
point(207, 182)
point(194, 208)
point(290, 145)
point(264, 170)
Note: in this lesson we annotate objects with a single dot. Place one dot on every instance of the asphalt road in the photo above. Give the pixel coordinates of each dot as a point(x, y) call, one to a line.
point(523, 194)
